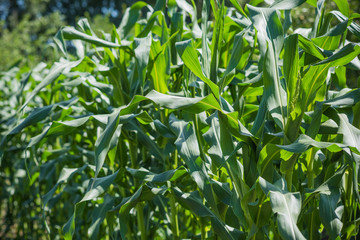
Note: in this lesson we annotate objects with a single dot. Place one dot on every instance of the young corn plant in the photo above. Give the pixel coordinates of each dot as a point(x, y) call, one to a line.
point(228, 125)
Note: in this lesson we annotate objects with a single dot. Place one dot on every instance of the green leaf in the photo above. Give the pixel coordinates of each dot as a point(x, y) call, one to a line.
point(286, 4)
point(71, 33)
point(354, 27)
point(291, 70)
point(311, 82)
point(54, 73)
point(157, 15)
point(214, 140)
point(343, 56)
point(331, 213)
point(193, 202)
point(205, 57)
point(238, 7)
point(311, 2)
point(144, 193)
point(268, 154)
point(142, 52)
point(146, 175)
point(102, 144)
point(351, 134)
point(343, 6)
point(331, 39)
point(293, 86)
point(145, 140)
point(274, 92)
point(99, 215)
point(270, 37)
point(98, 187)
point(236, 54)
point(319, 17)
point(287, 206)
point(35, 117)
point(327, 186)
point(216, 40)
point(189, 56)
point(347, 100)
point(130, 18)
point(270, 31)
point(188, 147)
point(157, 65)
point(309, 47)
point(65, 175)
point(66, 127)
point(237, 129)
point(60, 43)
point(68, 229)
point(84, 25)
point(304, 141)
point(195, 105)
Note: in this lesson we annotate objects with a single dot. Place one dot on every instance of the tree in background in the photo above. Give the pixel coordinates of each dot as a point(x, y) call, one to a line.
point(25, 43)
point(27, 28)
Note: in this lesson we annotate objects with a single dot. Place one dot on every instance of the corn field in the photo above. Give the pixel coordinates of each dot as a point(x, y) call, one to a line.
point(228, 124)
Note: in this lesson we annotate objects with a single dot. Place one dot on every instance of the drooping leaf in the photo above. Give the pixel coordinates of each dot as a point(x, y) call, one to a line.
point(53, 74)
point(98, 187)
point(146, 175)
point(342, 57)
point(71, 33)
point(354, 27)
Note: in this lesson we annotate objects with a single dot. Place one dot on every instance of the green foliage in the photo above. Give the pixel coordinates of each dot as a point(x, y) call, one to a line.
point(26, 38)
point(234, 125)
point(27, 42)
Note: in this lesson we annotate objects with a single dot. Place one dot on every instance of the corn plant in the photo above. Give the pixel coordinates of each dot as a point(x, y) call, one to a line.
point(228, 125)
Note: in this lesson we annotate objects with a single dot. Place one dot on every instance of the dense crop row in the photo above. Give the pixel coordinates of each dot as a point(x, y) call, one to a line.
point(228, 125)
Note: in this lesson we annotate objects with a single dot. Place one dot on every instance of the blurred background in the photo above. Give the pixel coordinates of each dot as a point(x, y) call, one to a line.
point(27, 26)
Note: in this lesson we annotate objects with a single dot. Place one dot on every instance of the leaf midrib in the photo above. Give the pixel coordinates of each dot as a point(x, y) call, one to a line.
point(289, 215)
point(277, 85)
